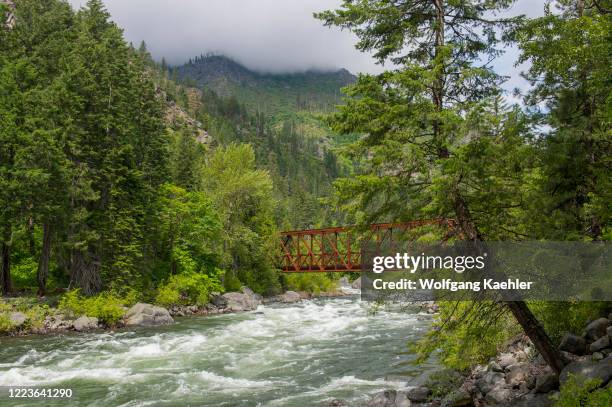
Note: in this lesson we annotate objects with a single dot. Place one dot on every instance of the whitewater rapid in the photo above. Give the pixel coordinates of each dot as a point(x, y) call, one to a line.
point(296, 355)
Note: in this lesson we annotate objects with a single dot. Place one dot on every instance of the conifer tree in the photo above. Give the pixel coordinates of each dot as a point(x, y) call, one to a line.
point(412, 116)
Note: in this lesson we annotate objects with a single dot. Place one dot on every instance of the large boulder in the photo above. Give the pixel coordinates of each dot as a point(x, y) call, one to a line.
point(600, 344)
point(356, 284)
point(419, 394)
point(389, 398)
point(517, 374)
point(246, 300)
point(85, 323)
point(457, 398)
point(289, 297)
point(596, 329)
point(343, 282)
point(490, 380)
point(588, 369)
point(147, 315)
point(573, 344)
point(506, 359)
point(18, 319)
point(499, 396)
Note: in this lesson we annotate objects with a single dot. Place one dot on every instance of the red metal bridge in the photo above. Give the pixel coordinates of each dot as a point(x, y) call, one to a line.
point(338, 249)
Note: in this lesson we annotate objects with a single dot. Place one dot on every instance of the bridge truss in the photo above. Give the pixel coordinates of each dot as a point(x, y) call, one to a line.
point(338, 249)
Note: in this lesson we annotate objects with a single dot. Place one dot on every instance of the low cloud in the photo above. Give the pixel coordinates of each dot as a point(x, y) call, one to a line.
point(264, 35)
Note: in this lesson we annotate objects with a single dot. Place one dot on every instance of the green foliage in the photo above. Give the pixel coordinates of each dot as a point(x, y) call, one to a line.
point(577, 392)
point(243, 196)
point(106, 306)
point(189, 289)
point(467, 333)
point(310, 282)
point(561, 317)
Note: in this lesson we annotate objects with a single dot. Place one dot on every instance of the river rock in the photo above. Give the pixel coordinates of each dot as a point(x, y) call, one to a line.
point(589, 369)
point(84, 323)
point(546, 382)
point(517, 374)
point(457, 398)
point(289, 297)
point(147, 315)
point(356, 284)
point(247, 300)
point(609, 331)
point(596, 329)
point(419, 394)
point(506, 359)
point(495, 367)
point(601, 343)
point(597, 356)
point(532, 400)
point(389, 398)
point(218, 301)
point(18, 319)
point(490, 380)
point(343, 282)
point(573, 344)
point(499, 396)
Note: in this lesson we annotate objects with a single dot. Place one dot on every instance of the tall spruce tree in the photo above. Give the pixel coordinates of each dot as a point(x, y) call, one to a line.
point(412, 116)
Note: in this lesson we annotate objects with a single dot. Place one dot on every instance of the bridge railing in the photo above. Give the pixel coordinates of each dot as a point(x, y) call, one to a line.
point(338, 249)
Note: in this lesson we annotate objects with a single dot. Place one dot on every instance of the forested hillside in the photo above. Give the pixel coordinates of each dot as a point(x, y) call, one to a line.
point(312, 91)
point(116, 179)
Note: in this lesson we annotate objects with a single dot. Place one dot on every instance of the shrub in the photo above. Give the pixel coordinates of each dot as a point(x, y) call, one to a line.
point(5, 323)
point(310, 282)
point(188, 289)
point(107, 306)
point(586, 393)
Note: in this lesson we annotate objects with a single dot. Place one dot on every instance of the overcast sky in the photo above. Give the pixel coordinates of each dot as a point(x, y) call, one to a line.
point(264, 35)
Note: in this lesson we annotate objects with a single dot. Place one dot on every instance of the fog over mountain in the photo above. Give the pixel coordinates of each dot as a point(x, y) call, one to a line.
point(263, 35)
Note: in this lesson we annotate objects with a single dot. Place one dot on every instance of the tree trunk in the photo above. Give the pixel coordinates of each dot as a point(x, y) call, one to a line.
point(85, 272)
point(43, 263)
point(535, 331)
point(530, 324)
point(5, 271)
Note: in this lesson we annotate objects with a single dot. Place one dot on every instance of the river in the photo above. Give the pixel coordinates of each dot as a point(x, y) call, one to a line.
point(280, 355)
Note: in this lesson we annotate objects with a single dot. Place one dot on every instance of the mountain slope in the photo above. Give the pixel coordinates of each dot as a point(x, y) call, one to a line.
point(311, 91)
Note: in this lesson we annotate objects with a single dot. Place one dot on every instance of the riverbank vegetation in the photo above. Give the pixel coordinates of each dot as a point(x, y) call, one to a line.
point(110, 185)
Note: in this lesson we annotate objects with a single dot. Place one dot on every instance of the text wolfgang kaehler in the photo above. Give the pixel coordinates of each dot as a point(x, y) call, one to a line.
point(458, 264)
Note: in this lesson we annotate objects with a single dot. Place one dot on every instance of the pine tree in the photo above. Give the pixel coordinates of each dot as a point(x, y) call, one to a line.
point(412, 116)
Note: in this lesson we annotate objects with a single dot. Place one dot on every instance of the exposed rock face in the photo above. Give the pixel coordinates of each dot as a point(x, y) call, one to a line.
point(573, 343)
point(596, 329)
point(85, 323)
point(147, 315)
point(18, 319)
